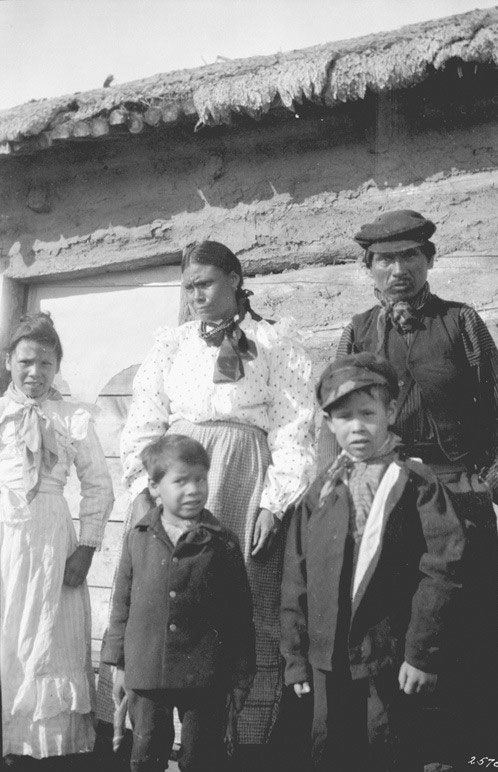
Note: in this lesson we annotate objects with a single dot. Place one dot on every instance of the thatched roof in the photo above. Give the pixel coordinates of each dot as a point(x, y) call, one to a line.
point(327, 74)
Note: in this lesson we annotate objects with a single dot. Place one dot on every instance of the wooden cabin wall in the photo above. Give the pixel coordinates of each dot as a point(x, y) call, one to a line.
point(291, 189)
point(294, 188)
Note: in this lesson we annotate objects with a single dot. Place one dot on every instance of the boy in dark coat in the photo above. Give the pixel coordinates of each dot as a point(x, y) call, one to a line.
point(372, 581)
point(181, 631)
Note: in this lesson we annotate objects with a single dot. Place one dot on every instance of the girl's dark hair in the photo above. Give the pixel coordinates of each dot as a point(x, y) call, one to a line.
point(38, 327)
point(217, 254)
point(163, 453)
point(428, 248)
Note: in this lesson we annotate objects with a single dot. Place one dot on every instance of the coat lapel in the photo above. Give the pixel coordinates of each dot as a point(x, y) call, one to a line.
point(387, 496)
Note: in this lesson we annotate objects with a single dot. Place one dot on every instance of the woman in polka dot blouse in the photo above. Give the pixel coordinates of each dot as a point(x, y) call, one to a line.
point(241, 386)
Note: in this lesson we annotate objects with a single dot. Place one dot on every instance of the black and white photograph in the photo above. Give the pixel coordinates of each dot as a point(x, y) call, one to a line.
point(248, 385)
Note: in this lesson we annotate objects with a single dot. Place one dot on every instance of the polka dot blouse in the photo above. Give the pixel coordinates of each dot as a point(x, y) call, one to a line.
point(276, 394)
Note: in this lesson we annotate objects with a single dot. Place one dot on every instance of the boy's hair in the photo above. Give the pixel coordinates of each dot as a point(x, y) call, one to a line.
point(365, 371)
point(163, 453)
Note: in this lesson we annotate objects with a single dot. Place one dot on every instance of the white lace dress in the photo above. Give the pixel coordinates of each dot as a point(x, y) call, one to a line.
point(46, 676)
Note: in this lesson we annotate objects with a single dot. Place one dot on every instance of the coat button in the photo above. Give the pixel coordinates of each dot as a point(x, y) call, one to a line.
point(401, 383)
point(176, 560)
point(173, 628)
point(172, 594)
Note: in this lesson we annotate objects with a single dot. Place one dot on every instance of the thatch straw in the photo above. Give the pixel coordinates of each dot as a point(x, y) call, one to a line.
point(327, 75)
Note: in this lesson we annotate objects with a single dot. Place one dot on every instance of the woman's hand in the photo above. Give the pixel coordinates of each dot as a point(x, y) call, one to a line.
point(414, 681)
point(118, 687)
point(265, 531)
point(77, 565)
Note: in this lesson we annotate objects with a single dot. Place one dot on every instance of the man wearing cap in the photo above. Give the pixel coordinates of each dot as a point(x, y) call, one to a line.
point(442, 351)
point(447, 409)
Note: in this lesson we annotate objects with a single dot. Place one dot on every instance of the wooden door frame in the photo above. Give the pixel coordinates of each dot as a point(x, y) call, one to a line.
point(18, 277)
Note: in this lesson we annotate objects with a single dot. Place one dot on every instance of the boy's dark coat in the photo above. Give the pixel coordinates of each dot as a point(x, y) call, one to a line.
point(408, 597)
point(181, 615)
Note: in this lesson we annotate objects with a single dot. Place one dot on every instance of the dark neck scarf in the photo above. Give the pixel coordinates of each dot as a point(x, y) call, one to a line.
point(363, 479)
point(404, 315)
point(36, 436)
point(234, 348)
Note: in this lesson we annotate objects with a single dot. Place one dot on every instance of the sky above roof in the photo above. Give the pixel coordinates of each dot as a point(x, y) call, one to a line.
point(54, 47)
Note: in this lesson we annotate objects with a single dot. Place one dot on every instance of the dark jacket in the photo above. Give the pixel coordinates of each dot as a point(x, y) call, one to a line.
point(407, 581)
point(435, 359)
point(181, 615)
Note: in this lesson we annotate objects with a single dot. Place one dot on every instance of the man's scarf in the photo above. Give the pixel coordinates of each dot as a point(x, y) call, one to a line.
point(36, 436)
point(362, 478)
point(404, 315)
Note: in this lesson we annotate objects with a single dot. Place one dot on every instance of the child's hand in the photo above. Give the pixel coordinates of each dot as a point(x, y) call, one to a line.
point(239, 697)
point(414, 681)
point(118, 689)
point(302, 688)
point(77, 566)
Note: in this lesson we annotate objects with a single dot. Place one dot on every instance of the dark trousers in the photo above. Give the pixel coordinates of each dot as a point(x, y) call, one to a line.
point(201, 712)
point(365, 725)
point(465, 714)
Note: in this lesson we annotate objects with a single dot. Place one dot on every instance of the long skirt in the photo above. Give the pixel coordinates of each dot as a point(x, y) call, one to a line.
point(46, 674)
point(239, 459)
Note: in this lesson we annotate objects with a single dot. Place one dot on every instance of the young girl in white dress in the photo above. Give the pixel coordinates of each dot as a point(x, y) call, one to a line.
point(45, 668)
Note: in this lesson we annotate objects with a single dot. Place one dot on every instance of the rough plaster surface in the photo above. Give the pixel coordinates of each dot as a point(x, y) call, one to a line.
point(286, 196)
point(294, 193)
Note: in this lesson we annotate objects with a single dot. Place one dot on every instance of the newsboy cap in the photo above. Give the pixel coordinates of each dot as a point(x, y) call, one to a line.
point(353, 373)
point(395, 231)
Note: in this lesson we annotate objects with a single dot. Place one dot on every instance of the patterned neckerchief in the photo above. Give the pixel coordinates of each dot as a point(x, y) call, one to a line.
point(404, 314)
point(234, 347)
point(36, 438)
point(362, 479)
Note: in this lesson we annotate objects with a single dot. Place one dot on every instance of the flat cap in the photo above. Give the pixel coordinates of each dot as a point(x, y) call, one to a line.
point(395, 231)
point(353, 373)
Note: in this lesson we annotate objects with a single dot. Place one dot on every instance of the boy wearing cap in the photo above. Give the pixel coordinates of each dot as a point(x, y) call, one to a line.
point(372, 581)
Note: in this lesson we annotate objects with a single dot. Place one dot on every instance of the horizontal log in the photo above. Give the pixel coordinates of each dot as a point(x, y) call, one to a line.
point(99, 127)
point(81, 129)
point(118, 117)
point(63, 131)
point(135, 123)
point(170, 112)
point(91, 259)
point(152, 116)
